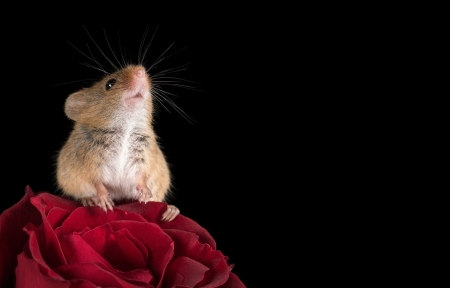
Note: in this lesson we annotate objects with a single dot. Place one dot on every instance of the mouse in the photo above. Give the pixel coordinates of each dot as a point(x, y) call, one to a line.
point(112, 152)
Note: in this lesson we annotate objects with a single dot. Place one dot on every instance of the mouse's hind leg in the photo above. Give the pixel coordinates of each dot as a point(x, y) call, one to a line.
point(101, 200)
point(143, 193)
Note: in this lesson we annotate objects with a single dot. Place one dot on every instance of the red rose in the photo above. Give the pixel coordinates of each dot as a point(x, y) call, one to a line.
point(49, 241)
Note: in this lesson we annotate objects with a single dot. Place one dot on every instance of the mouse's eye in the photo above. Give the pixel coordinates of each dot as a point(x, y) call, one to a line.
point(110, 83)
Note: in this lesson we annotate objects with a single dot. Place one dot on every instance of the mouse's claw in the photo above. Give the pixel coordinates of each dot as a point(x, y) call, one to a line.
point(102, 201)
point(87, 202)
point(105, 203)
point(170, 213)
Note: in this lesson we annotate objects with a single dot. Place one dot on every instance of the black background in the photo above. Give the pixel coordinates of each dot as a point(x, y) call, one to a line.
point(223, 165)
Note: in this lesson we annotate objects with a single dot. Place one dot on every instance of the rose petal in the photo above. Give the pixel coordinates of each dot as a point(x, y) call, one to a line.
point(86, 229)
point(187, 244)
point(115, 247)
point(184, 271)
point(139, 275)
point(158, 243)
point(48, 243)
point(77, 250)
point(233, 282)
point(153, 211)
point(92, 217)
point(44, 249)
point(136, 242)
point(44, 202)
point(96, 274)
point(12, 237)
point(29, 274)
point(185, 224)
point(56, 216)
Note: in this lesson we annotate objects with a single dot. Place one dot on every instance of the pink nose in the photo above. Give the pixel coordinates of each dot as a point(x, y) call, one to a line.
point(140, 72)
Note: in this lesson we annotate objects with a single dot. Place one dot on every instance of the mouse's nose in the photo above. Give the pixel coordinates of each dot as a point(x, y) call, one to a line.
point(140, 72)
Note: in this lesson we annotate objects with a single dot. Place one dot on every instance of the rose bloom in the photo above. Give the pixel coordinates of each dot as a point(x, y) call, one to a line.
point(50, 241)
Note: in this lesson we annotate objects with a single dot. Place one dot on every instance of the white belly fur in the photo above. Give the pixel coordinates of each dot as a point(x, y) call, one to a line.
point(120, 172)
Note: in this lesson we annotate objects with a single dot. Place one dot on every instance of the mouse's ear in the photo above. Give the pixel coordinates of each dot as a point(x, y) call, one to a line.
point(75, 105)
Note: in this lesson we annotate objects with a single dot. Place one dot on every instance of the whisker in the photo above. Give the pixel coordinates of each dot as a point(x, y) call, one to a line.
point(120, 49)
point(160, 101)
point(96, 61)
point(148, 46)
point(171, 70)
point(168, 83)
point(98, 68)
point(173, 78)
point(163, 82)
point(142, 43)
point(110, 49)
point(160, 56)
point(94, 67)
point(180, 111)
point(156, 63)
point(101, 51)
point(163, 91)
point(161, 95)
point(173, 53)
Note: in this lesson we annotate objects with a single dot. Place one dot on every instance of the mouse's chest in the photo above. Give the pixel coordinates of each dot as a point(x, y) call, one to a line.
point(123, 161)
point(125, 151)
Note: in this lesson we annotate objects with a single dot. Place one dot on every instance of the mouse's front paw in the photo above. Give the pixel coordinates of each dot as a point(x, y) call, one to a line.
point(143, 194)
point(170, 213)
point(102, 201)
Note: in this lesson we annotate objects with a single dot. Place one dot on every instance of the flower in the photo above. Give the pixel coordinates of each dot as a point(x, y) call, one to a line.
point(50, 241)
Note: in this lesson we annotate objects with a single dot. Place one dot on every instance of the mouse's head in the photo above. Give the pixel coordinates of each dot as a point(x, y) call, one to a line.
point(118, 96)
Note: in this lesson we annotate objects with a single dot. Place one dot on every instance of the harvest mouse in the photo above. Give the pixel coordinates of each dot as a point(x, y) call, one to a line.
point(112, 152)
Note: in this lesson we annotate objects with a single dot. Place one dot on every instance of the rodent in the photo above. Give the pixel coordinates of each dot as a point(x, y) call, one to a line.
point(112, 152)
